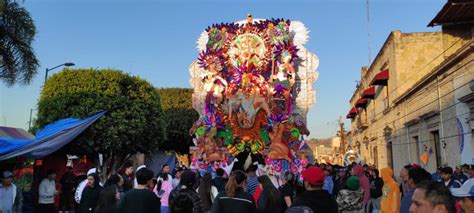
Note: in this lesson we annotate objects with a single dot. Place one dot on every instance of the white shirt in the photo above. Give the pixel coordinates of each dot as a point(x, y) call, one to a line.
point(47, 189)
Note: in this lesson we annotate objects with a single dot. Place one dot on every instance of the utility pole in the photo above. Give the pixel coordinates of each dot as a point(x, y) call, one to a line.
point(342, 134)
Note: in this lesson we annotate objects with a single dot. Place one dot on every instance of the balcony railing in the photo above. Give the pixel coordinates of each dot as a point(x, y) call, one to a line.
point(362, 124)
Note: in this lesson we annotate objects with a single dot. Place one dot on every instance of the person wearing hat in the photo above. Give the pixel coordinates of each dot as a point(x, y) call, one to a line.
point(350, 198)
point(11, 199)
point(465, 194)
point(340, 180)
point(459, 175)
point(447, 178)
point(315, 197)
point(80, 187)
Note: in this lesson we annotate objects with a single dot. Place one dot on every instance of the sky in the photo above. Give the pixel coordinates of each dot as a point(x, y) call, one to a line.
point(156, 40)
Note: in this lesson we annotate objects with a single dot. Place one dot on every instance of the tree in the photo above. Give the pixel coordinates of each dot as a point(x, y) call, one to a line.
point(18, 62)
point(180, 116)
point(134, 120)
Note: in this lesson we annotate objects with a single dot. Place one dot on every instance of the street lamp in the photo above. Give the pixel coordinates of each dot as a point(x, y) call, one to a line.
point(67, 64)
point(387, 132)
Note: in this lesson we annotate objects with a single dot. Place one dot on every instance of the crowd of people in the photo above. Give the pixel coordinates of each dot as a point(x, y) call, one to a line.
point(319, 188)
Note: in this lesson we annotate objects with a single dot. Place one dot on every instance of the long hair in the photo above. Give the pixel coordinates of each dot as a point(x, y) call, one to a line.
point(107, 199)
point(205, 185)
point(271, 193)
point(235, 180)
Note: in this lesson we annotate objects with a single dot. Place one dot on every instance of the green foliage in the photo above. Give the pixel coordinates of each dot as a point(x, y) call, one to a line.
point(25, 182)
point(180, 116)
point(18, 62)
point(134, 120)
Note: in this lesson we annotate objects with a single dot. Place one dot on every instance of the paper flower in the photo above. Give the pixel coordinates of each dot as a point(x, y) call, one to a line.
point(295, 133)
point(200, 131)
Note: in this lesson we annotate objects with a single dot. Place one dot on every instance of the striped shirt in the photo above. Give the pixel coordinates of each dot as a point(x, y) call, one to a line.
point(252, 184)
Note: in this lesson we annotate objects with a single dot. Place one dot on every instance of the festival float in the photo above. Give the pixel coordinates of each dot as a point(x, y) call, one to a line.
point(253, 88)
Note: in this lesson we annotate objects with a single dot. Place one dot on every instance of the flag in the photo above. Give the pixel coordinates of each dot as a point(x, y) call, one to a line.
point(424, 157)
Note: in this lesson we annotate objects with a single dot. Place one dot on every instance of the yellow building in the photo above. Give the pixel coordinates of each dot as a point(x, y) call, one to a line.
point(412, 103)
point(327, 150)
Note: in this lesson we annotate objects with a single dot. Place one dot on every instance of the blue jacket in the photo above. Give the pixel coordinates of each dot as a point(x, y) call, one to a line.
point(406, 201)
point(328, 184)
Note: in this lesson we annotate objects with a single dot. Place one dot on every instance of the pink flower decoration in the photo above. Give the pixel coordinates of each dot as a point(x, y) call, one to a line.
point(294, 169)
point(304, 162)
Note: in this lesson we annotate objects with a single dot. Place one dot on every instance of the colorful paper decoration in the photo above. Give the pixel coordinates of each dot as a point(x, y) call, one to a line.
point(244, 81)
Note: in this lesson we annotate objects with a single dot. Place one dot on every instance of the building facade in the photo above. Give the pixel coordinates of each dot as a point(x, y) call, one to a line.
point(414, 104)
point(327, 150)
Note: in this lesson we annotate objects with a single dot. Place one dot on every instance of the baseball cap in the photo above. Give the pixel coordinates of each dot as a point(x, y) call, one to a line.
point(7, 174)
point(314, 175)
point(447, 170)
point(91, 171)
point(466, 190)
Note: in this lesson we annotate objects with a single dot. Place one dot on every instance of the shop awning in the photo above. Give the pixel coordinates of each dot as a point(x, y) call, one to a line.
point(361, 102)
point(381, 78)
point(352, 113)
point(369, 93)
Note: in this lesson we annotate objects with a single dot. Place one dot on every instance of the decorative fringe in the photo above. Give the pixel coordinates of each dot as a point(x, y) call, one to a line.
point(299, 32)
point(202, 41)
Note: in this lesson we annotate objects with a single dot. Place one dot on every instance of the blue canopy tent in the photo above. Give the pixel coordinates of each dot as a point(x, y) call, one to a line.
point(48, 140)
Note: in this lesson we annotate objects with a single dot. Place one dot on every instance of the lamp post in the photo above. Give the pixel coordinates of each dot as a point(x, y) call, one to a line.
point(387, 132)
point(31, 115)
point(67, 64)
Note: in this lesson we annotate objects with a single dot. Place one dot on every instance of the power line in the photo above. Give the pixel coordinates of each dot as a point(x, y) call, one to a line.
point(429, 103)
point(427, 64)
point(423, 141)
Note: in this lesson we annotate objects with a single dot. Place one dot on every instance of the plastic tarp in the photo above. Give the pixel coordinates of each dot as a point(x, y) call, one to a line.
point(47, 140)
point(10, 132)
point(156, 160)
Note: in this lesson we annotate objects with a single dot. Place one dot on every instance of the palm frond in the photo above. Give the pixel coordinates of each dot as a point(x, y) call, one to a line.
point(18, 63)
